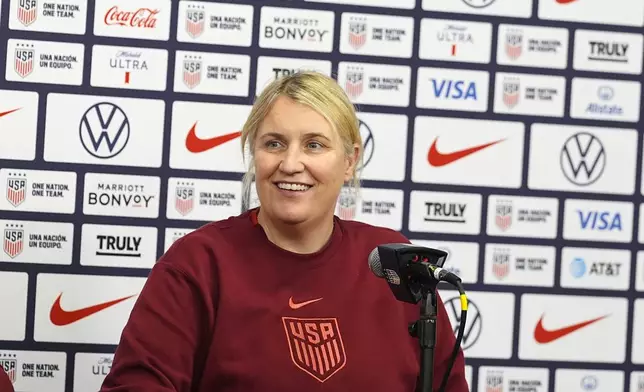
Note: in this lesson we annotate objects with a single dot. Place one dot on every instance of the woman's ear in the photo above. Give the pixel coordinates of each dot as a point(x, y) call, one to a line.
point(352, 161)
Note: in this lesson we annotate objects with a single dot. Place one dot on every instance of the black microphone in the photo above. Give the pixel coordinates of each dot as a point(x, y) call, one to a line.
point(406, 268)
point(412, 273)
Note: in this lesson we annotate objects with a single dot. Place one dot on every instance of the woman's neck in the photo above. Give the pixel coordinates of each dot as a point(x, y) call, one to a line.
point(303, 238)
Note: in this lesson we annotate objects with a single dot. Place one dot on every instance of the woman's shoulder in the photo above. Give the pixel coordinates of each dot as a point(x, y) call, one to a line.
point(205, 244)
point(362, 231)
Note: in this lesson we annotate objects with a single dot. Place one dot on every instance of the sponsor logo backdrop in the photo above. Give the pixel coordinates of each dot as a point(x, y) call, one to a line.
point(507, 132)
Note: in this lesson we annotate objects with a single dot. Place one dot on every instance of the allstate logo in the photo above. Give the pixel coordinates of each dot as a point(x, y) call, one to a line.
point(605, 93)
point(104, 130)
point(578, 267)
point(589, 383)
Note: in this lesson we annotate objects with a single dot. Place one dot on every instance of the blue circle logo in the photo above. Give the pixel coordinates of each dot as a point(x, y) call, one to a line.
point(578, 267)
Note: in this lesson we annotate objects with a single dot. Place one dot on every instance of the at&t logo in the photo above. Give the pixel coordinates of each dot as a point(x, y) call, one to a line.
point(578, 267)
point(104, 130)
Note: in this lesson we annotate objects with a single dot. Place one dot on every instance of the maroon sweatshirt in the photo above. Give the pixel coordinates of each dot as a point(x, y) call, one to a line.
point(224, 310)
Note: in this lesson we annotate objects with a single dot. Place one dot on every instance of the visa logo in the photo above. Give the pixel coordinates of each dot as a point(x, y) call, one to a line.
point(451, 89)
point(600, 220)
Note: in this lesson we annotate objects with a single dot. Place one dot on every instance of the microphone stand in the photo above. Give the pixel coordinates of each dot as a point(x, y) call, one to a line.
point(425, 330)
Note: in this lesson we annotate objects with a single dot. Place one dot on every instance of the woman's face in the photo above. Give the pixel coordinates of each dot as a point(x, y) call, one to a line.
point(300, 163)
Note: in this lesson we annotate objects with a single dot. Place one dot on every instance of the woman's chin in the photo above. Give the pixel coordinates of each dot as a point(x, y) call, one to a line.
point(292, 213)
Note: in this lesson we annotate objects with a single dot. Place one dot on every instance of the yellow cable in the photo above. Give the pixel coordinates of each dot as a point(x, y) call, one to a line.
point(463, 302)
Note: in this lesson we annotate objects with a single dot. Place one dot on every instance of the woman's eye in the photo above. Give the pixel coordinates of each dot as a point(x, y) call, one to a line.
point(272, 144)
point(315, 145)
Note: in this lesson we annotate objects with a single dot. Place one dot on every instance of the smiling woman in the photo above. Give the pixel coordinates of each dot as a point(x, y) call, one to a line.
point(281, 297)
point(304, 146)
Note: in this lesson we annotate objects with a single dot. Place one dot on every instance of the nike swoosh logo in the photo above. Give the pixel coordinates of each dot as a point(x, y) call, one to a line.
point(542, 335)
point(565, 1)
point(438, 159)
point(294, 305)
point(61, 317)
point(197, 145)
point(2, 114)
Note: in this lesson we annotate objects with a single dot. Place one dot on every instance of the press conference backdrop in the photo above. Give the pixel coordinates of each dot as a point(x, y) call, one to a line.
point(504, 131)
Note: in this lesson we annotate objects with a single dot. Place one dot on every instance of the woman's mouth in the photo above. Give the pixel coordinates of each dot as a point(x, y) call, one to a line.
point(293, 186)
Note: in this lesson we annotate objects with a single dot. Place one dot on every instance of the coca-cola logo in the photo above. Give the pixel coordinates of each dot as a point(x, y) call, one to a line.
point(143, 17)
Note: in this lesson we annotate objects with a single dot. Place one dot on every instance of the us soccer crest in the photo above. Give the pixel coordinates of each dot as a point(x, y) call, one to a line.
point(191, 71)
point(347, 204)
point(13, 243)
point(354, 82)
point(511, 92)
point(27, 11)
point(503, 217)
point(494, 382)
point(513, 43)
point(195, 19)
point(184, 199)
point(501, 264)
point(9, 364)
point(357, 32)
point(16, 190)
point(24, 60)
point(315, 346)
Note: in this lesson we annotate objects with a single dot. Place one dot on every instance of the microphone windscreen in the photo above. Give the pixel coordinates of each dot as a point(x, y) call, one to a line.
point(374, 263)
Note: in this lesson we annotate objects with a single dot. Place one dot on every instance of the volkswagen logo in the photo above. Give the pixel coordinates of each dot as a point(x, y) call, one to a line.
point(104, 130)
point(583, 158)
point(605, 93)
point(367, 144)
point(478, 3)
point(473, 324)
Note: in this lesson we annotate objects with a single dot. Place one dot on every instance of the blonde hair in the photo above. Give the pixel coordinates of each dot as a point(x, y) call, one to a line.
point(321, 93)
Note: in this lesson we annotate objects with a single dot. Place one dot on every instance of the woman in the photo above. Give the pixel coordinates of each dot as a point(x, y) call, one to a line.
point(280, 298)
point(5, 382)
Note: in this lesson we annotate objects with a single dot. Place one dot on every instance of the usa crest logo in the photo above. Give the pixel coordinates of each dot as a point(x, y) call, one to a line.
point(494, 382)
point(357, 32)
point(184, 198)
point(24, 60)
point(195, 19)
point(503, 217)
point(191, 71)
point(9, 364)
point(347, 205)
point(27, 11)
point(511, 92)
point(13, 241)
point(315, 345)
point(354, 82)
point(16, 190)
point(514, 43)
point(501, 264)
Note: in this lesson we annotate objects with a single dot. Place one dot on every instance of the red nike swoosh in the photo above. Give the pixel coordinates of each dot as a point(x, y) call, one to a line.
point(542, 335)
point(196, 145)
point(2, 114)
point(565, 1)
point(61, 317)
point(437, 158)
